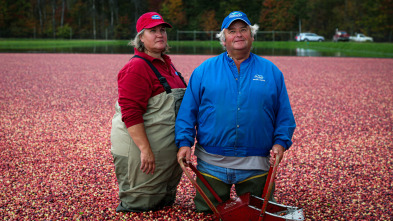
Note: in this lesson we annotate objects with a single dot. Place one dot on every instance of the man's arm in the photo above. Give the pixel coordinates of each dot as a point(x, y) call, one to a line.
point(186, 119)
point(285, 122)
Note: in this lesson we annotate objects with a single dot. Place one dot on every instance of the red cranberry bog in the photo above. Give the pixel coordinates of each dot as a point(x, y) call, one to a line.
point(55, 120)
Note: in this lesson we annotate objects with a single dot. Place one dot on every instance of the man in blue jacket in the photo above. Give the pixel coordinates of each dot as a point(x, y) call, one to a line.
point(237, 106)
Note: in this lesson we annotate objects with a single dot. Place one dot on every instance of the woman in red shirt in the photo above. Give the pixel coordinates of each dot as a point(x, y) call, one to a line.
point(143, 144)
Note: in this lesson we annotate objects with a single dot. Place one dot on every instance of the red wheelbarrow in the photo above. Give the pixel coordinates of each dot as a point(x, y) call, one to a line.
point(246, 206)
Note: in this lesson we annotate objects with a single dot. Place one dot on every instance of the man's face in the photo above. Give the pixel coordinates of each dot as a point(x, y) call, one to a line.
point(238, 37)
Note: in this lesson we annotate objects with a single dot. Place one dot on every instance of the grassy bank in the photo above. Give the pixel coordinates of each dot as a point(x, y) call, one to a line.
point(18, 44)
point(363, 49)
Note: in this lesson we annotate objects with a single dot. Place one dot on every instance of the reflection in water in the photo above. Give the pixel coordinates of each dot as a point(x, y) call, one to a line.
point(307, 52)
point(193, 50)
point(274, 51)
point(216, 51)
point(119, 49)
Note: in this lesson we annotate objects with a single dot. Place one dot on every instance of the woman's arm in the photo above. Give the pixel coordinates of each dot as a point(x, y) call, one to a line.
point(138, 135)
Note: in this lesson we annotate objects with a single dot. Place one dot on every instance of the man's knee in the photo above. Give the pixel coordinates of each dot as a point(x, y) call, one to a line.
point(254, 186)
point(222, 189)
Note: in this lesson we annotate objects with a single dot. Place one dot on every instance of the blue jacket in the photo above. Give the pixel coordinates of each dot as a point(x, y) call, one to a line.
point(236, 114)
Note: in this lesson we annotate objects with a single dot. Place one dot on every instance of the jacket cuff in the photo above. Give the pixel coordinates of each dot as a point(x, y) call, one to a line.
point(184, 143)
point(282, 143)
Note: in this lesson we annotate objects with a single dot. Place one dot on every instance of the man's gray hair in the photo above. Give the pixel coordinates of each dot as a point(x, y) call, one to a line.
point(221, 36)
point(138, 44)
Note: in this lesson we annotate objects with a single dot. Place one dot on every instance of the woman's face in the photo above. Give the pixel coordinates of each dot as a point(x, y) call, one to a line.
point(155, 39)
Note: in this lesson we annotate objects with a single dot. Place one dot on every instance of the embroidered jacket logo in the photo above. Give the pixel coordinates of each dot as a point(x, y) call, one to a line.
point(258, 77)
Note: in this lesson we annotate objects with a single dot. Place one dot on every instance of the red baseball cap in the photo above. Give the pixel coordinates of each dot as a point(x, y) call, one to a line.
point(150, 20)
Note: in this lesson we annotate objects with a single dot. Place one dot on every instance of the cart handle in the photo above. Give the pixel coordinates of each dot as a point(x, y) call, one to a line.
point(182, 163)
point(271, 177)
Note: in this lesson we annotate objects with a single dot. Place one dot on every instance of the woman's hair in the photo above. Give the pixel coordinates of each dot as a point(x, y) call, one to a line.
point(221, 36)
point(138, 44)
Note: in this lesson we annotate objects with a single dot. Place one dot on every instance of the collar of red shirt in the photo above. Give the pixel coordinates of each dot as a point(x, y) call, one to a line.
point(150, 58)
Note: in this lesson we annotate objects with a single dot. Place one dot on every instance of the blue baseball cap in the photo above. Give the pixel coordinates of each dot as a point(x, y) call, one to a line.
point(236, 15)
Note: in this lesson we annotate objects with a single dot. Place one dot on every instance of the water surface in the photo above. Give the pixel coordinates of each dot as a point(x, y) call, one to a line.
point(193, 50)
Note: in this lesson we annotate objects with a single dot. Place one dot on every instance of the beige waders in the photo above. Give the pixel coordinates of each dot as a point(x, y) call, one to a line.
point(139, 191)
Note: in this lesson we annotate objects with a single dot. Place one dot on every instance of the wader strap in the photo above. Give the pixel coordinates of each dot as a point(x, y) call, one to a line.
point(162, 79)
point(179, 74)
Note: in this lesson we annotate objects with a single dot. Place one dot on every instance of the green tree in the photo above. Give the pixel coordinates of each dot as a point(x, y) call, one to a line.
point(155, 5)
point(387, 10)
point(196, 9)
point(63, 31)
point(322, 20)
point(377, 18)
point(299, 9)
point(122, 29)
point(117, 18)
point(208, 21)
point(173, 12)
point(276, 15)
point(78, 21)
point(251, 8)
point(18, 20)
point(3, 17)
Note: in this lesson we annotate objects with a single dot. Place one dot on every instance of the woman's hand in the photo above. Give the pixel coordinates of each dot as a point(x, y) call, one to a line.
point(138, 135)
point(148, 164)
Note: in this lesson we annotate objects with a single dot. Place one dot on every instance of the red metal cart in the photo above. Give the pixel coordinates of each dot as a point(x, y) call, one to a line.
point(246, 206)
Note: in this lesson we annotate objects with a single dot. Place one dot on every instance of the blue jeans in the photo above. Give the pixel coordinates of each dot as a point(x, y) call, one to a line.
point(227, 175)
point(223, 179)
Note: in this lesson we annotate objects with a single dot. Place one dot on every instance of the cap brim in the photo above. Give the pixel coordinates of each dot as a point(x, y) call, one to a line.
point(229, 24)
point(152, 25)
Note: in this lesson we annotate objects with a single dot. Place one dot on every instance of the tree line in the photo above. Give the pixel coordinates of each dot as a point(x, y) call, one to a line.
point(116, 19)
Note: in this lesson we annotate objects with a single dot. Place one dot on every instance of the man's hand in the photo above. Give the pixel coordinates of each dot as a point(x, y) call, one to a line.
point(277, 151)
point(148, 164)
point(184, 152)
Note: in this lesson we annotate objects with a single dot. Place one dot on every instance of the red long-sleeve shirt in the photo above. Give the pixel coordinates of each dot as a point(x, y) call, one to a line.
point(137, 83)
